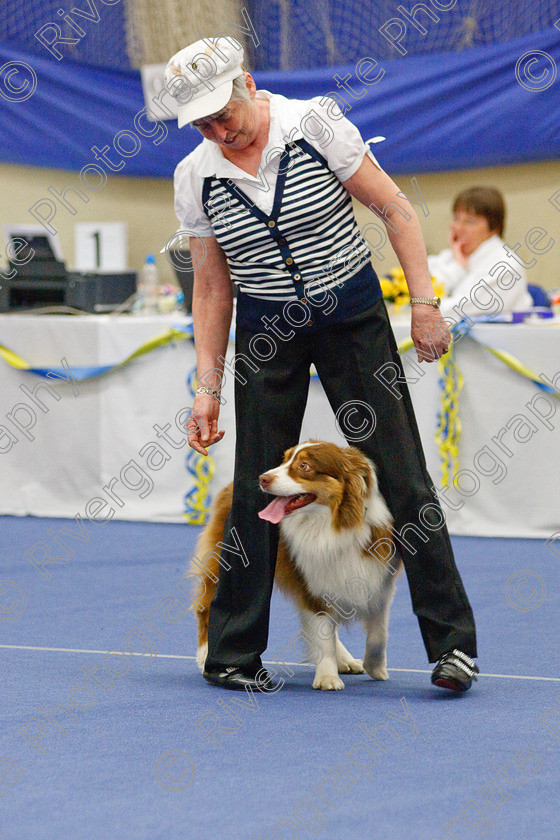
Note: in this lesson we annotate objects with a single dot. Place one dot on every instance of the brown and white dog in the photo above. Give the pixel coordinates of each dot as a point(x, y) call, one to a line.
point(330, 512)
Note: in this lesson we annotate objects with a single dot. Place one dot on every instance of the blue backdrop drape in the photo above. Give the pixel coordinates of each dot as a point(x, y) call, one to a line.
point(447, 111)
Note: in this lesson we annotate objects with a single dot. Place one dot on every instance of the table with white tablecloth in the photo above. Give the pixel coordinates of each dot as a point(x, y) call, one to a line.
point(114, 446)
point(508, 482)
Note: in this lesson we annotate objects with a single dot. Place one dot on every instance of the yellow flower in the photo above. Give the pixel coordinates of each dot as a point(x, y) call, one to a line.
point(395, 289)
point(401, 300)
point(387, 288)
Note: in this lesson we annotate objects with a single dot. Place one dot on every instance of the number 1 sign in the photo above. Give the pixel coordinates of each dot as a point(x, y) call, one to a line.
point(101, 246)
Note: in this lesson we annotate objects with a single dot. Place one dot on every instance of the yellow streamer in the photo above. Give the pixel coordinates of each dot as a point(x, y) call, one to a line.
point(448, 432)
point(198, 498)
point(201, 468)
point(171, 336)
point(519, 367)
point(13, 359)
point(405, 345)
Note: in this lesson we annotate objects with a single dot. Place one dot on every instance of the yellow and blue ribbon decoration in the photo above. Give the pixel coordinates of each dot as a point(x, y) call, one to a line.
point(448, 432)
point(197, 499)
point(518, 367)
point(80, 373)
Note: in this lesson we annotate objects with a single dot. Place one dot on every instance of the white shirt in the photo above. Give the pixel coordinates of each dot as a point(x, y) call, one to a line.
point(493, 282)
point(323, 126)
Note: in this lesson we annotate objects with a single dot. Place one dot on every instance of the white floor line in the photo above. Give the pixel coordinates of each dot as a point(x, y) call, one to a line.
point(265, 662)
point(80, 650)
point(501, 676)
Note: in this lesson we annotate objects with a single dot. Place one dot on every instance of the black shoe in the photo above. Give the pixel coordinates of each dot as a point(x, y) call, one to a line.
point(237, 679)
point(455, 670)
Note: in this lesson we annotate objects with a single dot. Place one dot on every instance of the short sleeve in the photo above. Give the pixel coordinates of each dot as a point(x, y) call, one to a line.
point(188, 200)
point(337, 139)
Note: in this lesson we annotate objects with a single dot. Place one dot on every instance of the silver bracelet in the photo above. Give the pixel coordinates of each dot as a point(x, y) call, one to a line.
point(203, 389)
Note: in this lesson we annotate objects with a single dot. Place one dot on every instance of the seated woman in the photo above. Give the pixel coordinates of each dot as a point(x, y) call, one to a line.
point(481, 275)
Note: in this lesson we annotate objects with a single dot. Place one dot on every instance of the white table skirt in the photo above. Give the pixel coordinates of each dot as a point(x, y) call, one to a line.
point(96, 448)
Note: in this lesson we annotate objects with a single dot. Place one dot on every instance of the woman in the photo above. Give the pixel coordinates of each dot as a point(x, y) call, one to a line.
point(266, 199)
point(473, 268)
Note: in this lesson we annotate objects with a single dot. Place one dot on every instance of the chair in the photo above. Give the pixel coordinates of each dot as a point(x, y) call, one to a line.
point(539, 295)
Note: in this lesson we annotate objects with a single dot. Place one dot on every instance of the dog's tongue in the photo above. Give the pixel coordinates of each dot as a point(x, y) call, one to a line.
point(276, 510)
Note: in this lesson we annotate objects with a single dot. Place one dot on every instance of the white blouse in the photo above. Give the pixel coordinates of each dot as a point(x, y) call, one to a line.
point(323, 126)
point(493, 282)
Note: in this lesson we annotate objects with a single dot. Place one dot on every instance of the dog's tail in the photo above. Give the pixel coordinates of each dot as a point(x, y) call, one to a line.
point(205, 567)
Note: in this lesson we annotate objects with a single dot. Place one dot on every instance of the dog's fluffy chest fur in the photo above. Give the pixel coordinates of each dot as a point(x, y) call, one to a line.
point(335, 563)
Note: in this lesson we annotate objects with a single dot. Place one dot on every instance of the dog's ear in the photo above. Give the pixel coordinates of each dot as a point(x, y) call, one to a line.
point(357, 464)
point(357, 477)
point(288, 454)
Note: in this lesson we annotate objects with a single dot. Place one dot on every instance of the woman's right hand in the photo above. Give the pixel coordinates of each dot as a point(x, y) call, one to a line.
point(457, 249)
point(202, 425)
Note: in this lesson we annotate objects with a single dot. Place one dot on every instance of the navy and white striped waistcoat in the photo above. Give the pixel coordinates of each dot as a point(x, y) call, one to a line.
point(307, 254)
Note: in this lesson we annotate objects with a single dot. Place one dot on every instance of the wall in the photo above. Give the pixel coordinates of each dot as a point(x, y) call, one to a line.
point(147, 206)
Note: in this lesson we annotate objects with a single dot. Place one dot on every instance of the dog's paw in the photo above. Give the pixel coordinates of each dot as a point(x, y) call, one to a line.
point(376, 672)
point(328, 683)
point(201, 655)
point(351, 666)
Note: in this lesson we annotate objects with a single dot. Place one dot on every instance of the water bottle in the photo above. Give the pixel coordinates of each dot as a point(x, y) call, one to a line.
point(149, 286)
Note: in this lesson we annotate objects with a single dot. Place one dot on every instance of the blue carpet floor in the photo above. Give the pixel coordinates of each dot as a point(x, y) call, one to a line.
point(119, 747)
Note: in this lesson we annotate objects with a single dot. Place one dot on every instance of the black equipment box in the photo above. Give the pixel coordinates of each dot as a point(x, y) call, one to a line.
point(96, 293)
point(18, 294)
point(100, 292)
point(40, 280)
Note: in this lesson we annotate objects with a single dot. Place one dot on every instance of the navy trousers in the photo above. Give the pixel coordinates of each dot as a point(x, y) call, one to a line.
point(269, 405)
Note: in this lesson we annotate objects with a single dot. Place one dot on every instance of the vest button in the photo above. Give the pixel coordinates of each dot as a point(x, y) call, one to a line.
point(282, 241)
point(271, 224)
point(309, 323)
point(296, 276)
point(303, 300)
point(289, 261)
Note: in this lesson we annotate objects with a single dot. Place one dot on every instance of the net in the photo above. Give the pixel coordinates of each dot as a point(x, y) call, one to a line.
point(156, 31)
point(277, 34)
point(94, 34)
point(117, 34)
point(305, 34)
